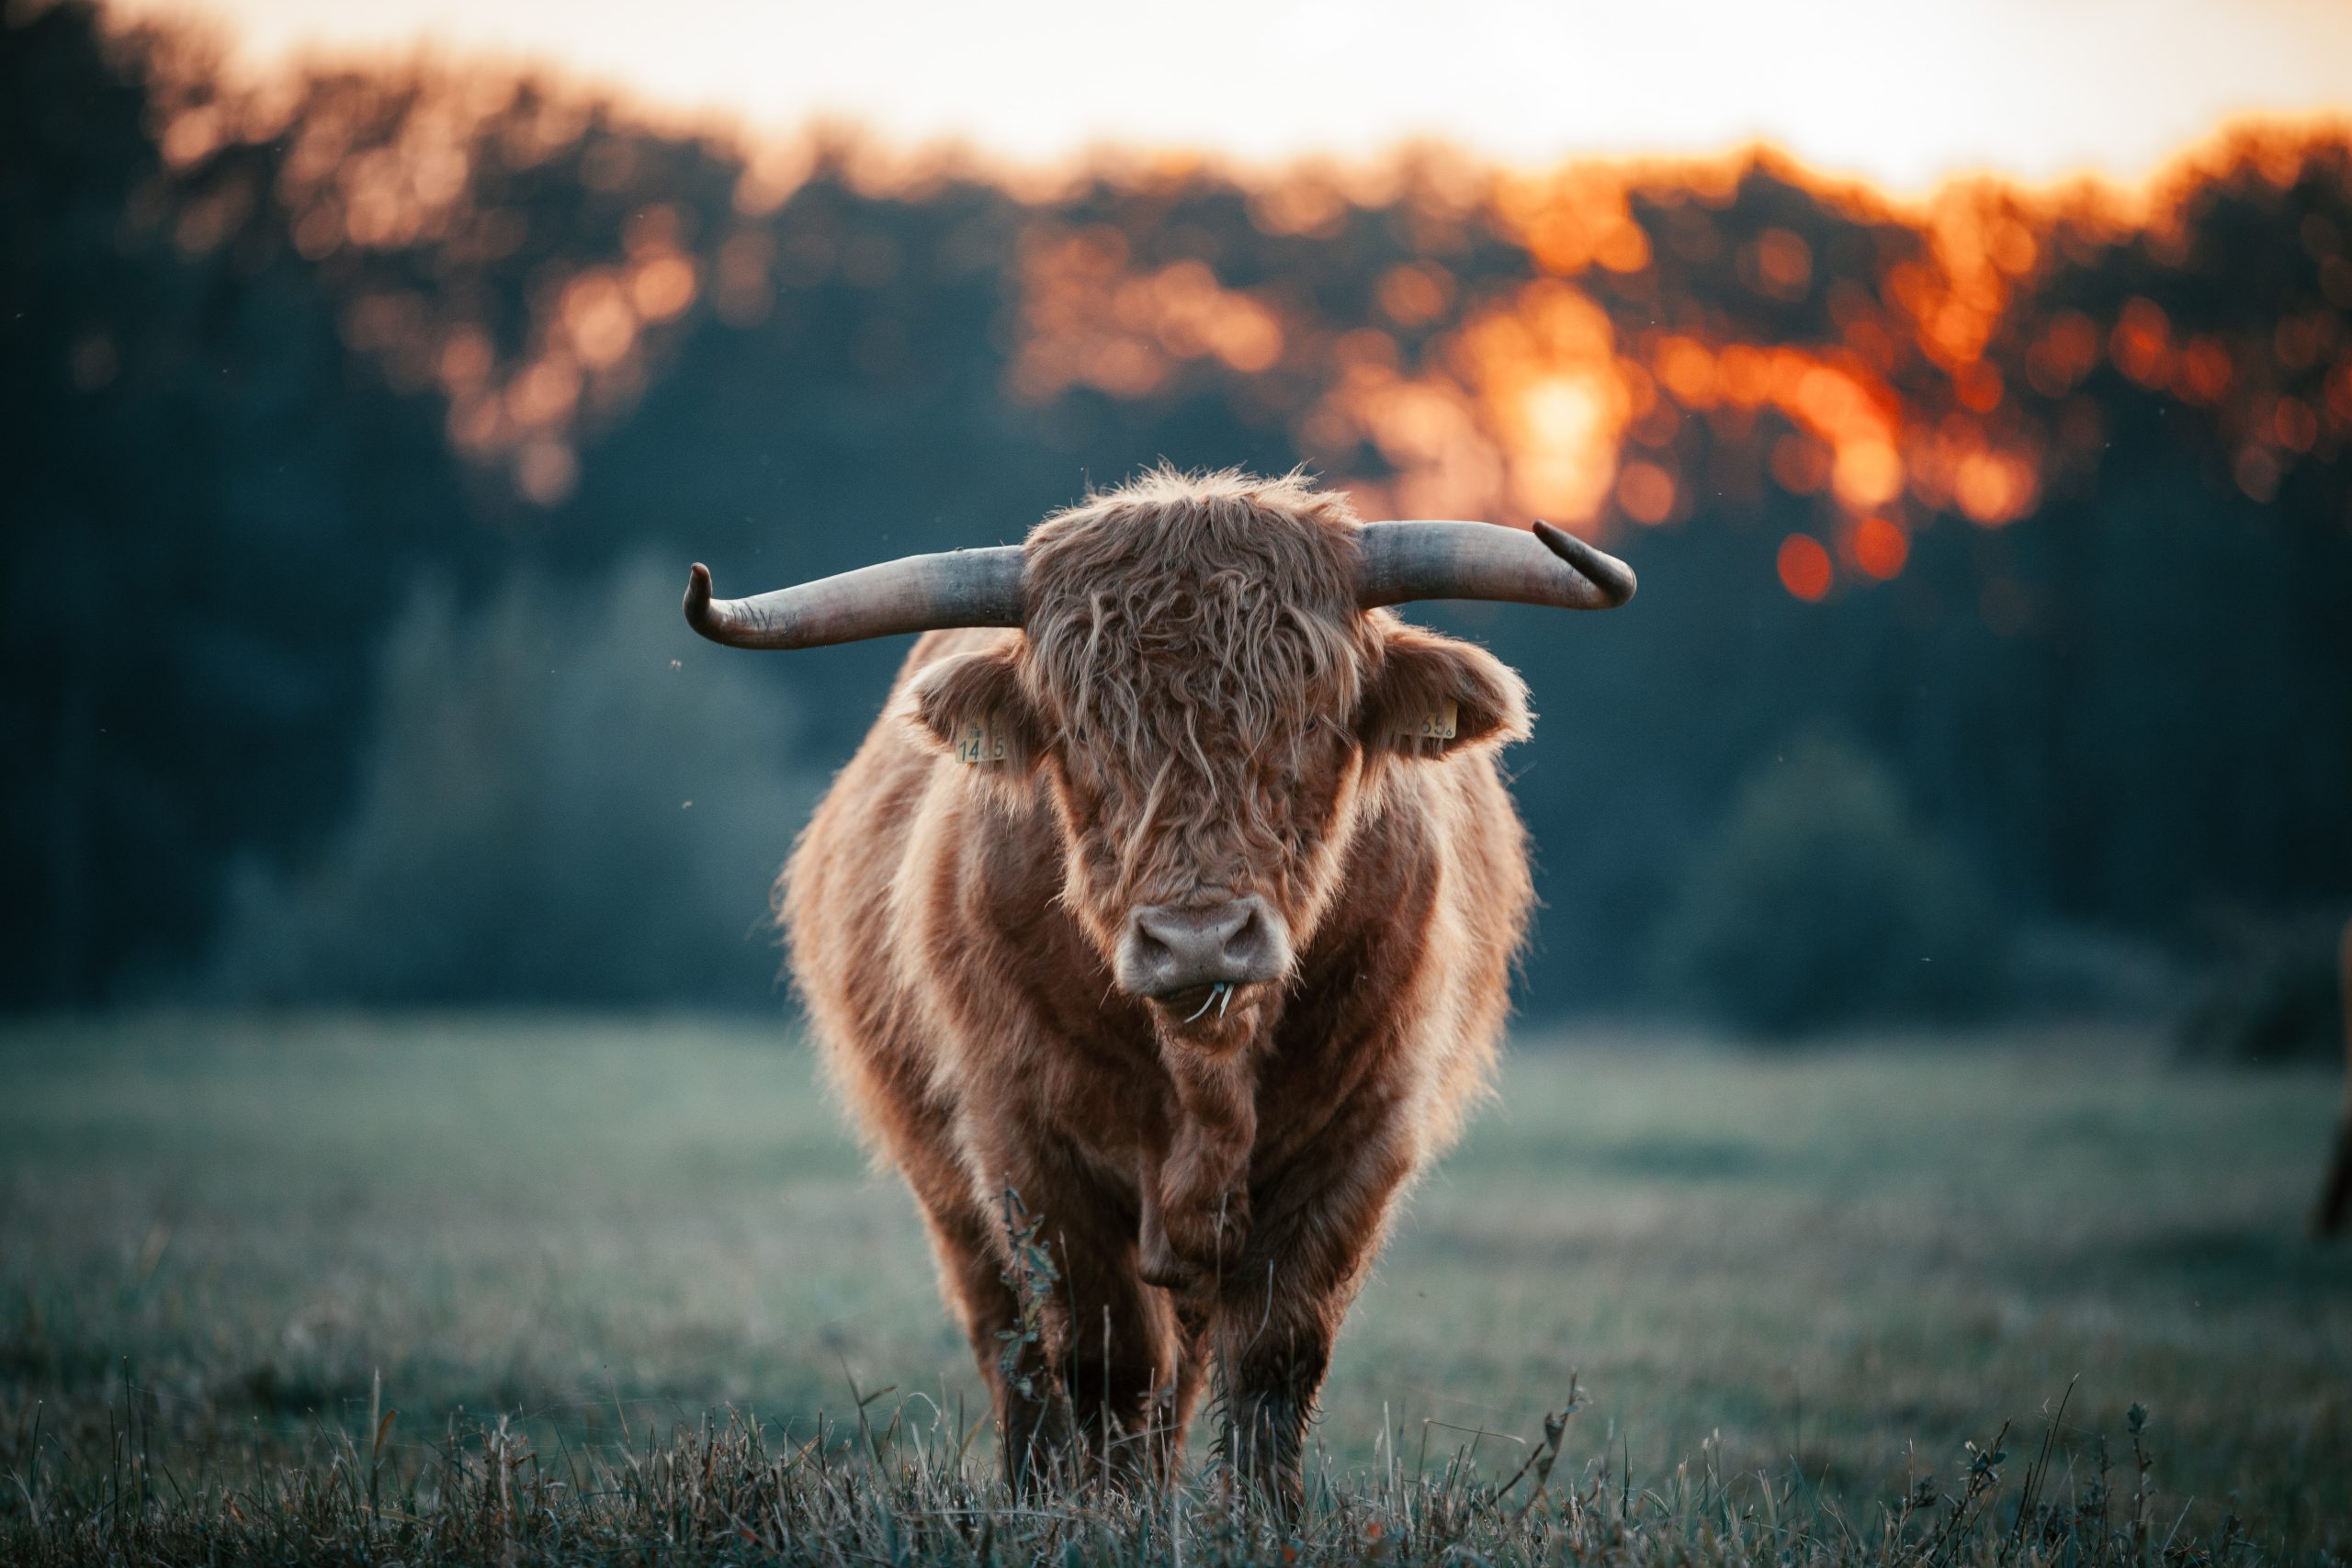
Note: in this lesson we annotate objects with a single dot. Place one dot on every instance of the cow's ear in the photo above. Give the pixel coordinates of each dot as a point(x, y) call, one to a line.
point(1434, 696)
point(972, 704)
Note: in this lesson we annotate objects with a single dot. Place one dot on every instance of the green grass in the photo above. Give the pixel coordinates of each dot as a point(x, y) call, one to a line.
point(1831, 1269)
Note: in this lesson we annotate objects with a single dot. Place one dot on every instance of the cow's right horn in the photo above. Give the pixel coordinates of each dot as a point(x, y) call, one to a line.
point(913, 593)
point(1403, 561)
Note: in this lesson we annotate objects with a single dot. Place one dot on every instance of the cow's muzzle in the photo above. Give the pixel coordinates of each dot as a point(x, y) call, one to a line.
point(1172, 955)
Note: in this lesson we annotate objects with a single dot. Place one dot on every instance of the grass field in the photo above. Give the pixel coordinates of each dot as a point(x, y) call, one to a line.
point(224, 1242)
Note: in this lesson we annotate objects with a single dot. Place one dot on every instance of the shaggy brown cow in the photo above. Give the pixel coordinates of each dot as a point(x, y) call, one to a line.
point(1180, 919)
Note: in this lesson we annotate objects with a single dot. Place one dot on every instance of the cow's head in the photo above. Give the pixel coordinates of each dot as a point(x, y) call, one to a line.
point(1211, 689)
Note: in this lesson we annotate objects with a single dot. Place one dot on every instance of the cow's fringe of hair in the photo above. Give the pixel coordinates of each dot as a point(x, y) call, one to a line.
point(1207, 621)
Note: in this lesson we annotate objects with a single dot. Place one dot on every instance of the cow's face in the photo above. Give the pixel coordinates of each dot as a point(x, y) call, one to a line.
point(1211, 715)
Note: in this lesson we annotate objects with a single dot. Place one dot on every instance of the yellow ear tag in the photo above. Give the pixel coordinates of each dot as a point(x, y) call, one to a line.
point(981, 741)
point(1437, 724)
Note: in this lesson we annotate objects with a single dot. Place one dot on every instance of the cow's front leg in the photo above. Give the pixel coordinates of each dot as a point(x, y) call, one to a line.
point(1025, 1363)
point(1096, 1376)
point(1319, 1222)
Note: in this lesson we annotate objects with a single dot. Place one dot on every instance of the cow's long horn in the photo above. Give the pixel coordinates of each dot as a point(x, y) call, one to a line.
point(913, 593)
point(1402, 561)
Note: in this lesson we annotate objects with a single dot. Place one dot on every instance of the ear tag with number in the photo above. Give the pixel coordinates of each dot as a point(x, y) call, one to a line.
point(982, 741)
point(1439, 724)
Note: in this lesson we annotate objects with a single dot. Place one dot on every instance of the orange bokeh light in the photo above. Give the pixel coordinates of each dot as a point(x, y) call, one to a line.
point(1878, 547)
point(1804, 568)
point(2142, 342)
point(2294, 425)
point(1646, 491)
point(1606, 374)
point(1413, 295)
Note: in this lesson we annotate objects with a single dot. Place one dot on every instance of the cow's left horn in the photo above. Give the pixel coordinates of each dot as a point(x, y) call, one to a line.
point(913, 593)
point(1403, 561)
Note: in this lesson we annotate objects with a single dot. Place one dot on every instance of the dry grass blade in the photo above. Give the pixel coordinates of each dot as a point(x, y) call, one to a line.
point(1545, 1454)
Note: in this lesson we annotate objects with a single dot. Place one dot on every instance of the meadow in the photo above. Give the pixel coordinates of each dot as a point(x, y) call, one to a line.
point(319, 1287)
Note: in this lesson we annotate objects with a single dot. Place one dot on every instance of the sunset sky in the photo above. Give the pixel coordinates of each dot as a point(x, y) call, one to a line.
point(1905, 92)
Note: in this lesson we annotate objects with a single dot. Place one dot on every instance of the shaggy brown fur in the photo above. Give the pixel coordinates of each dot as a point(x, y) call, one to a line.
point(1195, 711)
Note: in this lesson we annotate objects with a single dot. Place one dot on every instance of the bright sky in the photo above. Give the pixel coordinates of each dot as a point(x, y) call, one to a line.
point(1903, 91)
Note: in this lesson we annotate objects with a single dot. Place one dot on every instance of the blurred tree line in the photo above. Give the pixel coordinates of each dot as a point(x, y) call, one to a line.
point(1996, 557)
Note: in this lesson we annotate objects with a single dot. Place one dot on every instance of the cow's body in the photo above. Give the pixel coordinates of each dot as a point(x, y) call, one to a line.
point(978, 1038)
point(1198, 970)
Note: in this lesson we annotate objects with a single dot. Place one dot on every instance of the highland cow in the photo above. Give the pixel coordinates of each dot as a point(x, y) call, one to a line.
point(1161, 930)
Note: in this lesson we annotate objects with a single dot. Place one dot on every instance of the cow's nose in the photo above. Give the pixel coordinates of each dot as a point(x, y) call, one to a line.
point(1167, 949)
